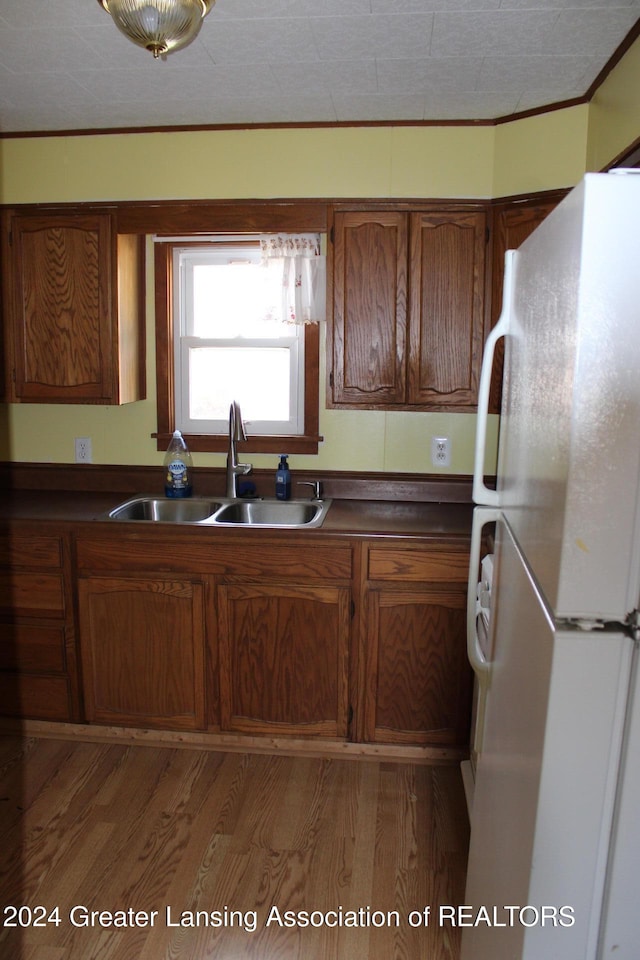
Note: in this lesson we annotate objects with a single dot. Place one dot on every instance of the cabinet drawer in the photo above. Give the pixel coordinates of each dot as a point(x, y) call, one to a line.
point(432, 565)
point(24, 594)
point(249, 559)
point(34, 697)
point(32, 647)
point(45, 552)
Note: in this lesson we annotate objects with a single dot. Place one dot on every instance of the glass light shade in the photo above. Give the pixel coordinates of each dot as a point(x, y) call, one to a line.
point(158, 25)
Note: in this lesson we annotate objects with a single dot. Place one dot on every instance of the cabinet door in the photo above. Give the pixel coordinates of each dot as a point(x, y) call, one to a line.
point(418, 687)
point(74, 311)
point(513, 223)
point(446, 315)
point(283, 659)
point(369, 269)
point(142, 649)
point(61, 283)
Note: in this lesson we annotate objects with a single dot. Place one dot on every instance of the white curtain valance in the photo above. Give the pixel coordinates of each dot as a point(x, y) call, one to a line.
point(300, 269)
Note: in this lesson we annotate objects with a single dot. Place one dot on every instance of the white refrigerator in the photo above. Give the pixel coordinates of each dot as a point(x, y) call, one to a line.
point(554, 856)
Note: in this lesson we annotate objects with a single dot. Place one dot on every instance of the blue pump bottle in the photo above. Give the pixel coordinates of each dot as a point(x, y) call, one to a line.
point(283, 479)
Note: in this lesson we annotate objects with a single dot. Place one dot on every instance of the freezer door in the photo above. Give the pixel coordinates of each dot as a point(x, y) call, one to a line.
point(546, 777)
point(569, 450)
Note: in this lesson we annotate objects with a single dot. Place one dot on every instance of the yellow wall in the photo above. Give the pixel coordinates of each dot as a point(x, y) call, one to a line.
point(540, 152)
point(528, 155)
point(614, 112)
point(315, 162)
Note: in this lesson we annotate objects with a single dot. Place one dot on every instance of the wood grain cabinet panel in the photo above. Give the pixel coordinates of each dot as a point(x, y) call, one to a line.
point(446, 308)
point(370, 307)
point(418, 675)
point(283, 659)
point(38, 675)
point(30, 646)
point(142, 650)
point(73, 302)
point(250, 558)
point(33, 696)
point(418, 564)
point(407, 290)
point(417, 679)
point(512, 224)
point(31, 551)
point(35, 593)
point(264, 656)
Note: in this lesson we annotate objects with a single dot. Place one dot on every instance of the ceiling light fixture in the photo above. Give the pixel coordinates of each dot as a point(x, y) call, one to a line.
point(158, 25)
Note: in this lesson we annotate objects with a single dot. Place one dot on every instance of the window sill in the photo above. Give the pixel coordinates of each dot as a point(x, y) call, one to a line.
point(219, 443)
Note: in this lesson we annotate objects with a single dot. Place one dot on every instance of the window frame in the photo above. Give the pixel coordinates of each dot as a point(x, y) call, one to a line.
point(220, 251)
point(166, 384)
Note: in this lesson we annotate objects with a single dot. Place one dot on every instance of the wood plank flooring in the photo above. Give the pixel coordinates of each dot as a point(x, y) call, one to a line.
point(239, 845)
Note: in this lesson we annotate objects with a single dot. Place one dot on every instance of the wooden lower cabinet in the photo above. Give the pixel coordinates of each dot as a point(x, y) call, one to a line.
point(360, 640)
point(417, 680)
point(142, 644)
point(284, 658)
point(38, 676)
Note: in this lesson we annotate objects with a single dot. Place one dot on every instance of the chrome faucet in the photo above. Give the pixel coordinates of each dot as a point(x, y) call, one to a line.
point(236, 433)
point(316, 485)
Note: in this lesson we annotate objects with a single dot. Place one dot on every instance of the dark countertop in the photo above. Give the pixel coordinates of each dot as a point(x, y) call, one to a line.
point(345, 517)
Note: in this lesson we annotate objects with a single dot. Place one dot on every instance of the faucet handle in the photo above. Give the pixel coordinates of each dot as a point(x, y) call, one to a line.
point(317, 487)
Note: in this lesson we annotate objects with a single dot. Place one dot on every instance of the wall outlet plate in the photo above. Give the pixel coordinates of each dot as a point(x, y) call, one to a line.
point(441, 451)
point(83, 449)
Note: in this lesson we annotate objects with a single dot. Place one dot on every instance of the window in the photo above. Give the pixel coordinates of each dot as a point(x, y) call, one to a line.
point(225, 346)
point(217, 342)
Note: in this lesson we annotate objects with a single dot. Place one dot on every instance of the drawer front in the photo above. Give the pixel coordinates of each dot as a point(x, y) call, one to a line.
point(430, 565)
point(249, 558)
point(45, 552)
point(32, 647)
point(34, 697)
point(35, 594)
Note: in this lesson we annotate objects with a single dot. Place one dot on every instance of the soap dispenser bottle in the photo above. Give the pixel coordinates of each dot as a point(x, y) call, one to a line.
point(177, 468)
point(283, 479)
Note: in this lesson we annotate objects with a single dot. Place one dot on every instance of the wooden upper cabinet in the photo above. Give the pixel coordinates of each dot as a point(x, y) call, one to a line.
point(446, 308)
point(513, 222)
point(370, 308)
point(73, 309)
point(408, 308)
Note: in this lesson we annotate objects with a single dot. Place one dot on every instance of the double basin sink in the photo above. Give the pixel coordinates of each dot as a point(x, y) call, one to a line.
point(225, 512)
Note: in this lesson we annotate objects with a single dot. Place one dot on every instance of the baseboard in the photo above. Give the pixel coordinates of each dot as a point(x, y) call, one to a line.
point(234, 743)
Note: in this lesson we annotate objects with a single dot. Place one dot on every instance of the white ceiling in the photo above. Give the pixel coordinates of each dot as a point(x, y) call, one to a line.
point(65, 66)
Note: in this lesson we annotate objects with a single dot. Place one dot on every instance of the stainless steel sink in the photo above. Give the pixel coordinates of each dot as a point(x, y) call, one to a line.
point(164, 510)
point(273, 513)
point(224, 512)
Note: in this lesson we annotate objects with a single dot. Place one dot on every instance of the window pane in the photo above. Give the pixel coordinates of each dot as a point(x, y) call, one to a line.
point(232, 300)
point(257, 377)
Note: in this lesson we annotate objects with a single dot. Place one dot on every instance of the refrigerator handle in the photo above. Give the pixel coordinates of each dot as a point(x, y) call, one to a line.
point(481, 517)
point(481, 492)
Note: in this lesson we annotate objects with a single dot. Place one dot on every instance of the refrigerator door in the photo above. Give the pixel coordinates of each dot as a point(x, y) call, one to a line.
point(546, 777)
point(569, 450)
point(620, 936)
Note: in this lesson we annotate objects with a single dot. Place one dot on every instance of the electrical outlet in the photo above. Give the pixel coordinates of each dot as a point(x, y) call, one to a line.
point(83, 450)
point(441, 451)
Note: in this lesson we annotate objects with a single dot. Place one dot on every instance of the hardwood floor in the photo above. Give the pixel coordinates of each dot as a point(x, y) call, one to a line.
point(230, 842)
